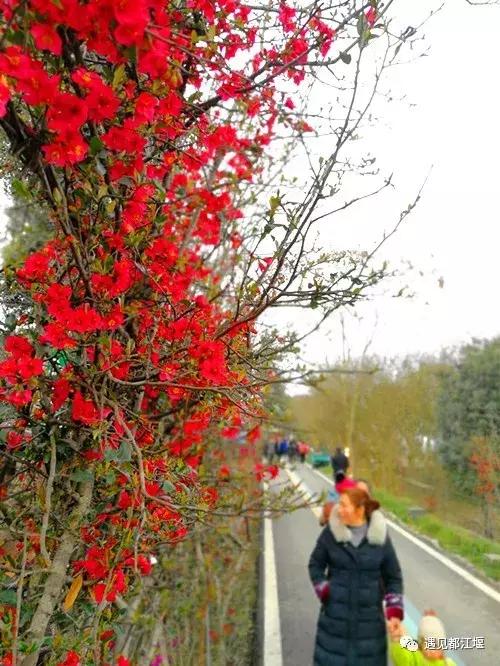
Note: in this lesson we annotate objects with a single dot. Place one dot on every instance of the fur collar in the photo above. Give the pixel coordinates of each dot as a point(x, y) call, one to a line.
point(377, 528)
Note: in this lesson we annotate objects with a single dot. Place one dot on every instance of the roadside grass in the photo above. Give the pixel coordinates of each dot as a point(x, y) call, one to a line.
point(451, 537)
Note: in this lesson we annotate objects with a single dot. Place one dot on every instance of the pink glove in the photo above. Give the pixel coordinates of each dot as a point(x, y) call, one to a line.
point(322, 591)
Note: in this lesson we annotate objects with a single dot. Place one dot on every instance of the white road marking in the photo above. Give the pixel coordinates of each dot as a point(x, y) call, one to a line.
point(297, 481)
point(466, 575)
point(272, 628)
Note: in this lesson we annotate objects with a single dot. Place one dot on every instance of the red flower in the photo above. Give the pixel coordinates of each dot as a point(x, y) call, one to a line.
point(123, 661)
point(230, 432)
point(254, 434)
point(19, 398)
point(371, 16)
point(84, 410)
point(124, 500)
point(18, 346)
point(224, 472)
point(8, 370)
point(83, 319)
point(60, 393)
point(273, 471)
point(29, 367)
point(145, 107)
point(98, 592)
point(14, 439)
point(72, 659)
point(58, 296)
point(35, 267)
point(142, 563)
point(106, 635)
point(8, 659)
point(210, 496)
point(132, 18)
point(124, 139)
point(46, 38)
point(95, 563)
point(67, 111)
point(259, 471)
point(55, 334)
point(286, 14)
point(71, 150)
point(265, 263)
point(102, 103)
point(171, 105)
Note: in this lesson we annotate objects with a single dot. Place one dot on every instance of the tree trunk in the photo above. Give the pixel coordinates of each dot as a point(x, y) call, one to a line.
point(57, 577)
point(488, 523)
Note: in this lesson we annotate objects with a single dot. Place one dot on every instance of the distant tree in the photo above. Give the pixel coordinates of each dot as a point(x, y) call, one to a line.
point(28, 228)
point(468, 409)
point(379, 411)
point(485, 462)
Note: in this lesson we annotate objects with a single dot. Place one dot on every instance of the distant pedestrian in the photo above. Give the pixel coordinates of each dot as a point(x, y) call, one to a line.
point(303, 450)
point(340, 462)
point(277, 448)
point(283, 449)
point(354, 569)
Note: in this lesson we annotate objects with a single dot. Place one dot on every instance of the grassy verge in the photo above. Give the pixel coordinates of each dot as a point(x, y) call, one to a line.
point(453, 538)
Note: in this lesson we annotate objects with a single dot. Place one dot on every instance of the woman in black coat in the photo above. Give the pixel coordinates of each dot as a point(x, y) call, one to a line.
point(354, 569)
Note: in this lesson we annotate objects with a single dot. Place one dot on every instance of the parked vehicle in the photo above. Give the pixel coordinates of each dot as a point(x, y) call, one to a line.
point(319, 458)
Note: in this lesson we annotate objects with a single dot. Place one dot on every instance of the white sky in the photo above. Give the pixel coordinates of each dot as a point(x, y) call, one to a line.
point(452, 124)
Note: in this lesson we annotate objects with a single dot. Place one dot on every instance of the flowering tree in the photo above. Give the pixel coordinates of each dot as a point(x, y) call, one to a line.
point(144, 128)
point(485, 461)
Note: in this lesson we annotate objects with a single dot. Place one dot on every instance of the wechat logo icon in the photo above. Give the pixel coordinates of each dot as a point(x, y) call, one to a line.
point(408, 643)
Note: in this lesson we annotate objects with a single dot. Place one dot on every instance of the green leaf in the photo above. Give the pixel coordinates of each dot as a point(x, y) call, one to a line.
point(361, 24)
point(119, 76)
point(168, 487)
point(110, 478)
point(123, 454)
point(20, 189)
point(81, 475)
point(274, 202)
point(96, 145)
point(345, 57)
point(8, 597)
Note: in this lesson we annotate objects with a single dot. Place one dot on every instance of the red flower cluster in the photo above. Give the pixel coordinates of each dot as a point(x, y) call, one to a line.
point(18, 370)
point(145, 136)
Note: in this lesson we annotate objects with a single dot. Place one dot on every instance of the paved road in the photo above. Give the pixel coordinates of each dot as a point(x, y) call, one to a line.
point(465, 610)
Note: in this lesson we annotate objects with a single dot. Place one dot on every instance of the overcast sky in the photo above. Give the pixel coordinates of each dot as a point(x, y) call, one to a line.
point(453, 125)
point(450, 122)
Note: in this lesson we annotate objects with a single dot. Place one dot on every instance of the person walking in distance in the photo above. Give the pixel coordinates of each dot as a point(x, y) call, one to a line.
point(340, 462)
point(303, 450)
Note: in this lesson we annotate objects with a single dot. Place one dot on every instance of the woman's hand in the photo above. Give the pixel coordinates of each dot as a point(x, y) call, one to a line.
point(322, 591)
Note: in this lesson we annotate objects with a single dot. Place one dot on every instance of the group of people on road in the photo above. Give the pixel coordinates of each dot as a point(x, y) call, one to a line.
point(357, 578)
point(286, 448)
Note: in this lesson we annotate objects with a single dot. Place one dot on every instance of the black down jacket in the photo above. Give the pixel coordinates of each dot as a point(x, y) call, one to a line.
point(351, 626)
